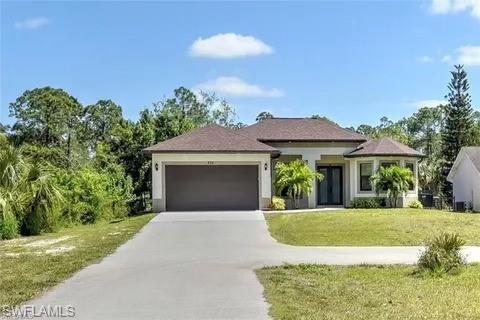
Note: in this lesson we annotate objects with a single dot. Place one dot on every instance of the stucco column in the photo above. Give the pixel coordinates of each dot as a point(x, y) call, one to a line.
point(157, 192)
point(353, 178)
point(312, 197)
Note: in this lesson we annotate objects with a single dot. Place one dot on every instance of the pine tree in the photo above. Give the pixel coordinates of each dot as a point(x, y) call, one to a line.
point(458, 125)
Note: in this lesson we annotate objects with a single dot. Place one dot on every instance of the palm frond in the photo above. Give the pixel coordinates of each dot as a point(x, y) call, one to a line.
point(296, 178)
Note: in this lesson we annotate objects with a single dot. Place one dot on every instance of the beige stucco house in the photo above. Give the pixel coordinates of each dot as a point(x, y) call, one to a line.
point(215, 168)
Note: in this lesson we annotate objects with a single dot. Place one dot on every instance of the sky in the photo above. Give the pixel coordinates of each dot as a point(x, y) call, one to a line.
point(351, 61)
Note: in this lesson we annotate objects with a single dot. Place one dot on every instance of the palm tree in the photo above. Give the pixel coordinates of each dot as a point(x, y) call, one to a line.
point(11, 168)
point(28, 195)
point(41, 198)
point(296, 177)
point(428, 175)
point(394, 180)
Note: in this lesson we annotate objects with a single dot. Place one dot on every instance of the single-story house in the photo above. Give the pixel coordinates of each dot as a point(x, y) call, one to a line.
point(465, 178)
point(216, 168)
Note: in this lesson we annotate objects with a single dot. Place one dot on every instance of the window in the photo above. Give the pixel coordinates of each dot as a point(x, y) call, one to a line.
point(386, 164)
point(366, 171)
point(410, 166)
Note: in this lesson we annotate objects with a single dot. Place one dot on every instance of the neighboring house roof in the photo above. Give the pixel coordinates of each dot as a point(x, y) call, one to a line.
point(472, 154)
point(211, 138)
point(300, 129)
point(383, 147)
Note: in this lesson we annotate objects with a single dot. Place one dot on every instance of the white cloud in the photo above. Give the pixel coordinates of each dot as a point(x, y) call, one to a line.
point(440, 6)
point(469, 55)
point(233, 86)
point(454, 6)
point(428, 103)
point(228, 46)
point(33, 23)
point(426, 59)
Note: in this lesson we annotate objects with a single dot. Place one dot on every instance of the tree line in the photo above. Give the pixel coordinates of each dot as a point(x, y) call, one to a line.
point(88, 160)
point(439, 132)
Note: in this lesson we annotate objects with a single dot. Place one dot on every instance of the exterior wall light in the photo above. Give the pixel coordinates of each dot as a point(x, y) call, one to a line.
point(156, 166)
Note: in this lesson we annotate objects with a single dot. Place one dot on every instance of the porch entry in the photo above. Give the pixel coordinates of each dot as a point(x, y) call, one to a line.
point(330, 189)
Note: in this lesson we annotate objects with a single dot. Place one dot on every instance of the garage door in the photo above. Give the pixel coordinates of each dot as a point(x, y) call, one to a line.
point(214, 187)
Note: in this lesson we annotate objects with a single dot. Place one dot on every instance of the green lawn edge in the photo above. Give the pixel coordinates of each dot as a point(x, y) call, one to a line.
point(370, 227)
point(367, 292)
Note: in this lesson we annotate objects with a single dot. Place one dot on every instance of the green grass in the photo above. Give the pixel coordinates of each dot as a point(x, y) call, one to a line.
point(30, 265)
point(368, 292)
point(370, 227)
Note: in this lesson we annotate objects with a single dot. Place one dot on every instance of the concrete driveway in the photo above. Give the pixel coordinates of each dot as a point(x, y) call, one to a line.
point(198, 266)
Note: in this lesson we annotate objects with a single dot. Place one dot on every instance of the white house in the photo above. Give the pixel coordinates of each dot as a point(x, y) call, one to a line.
point(215, 168)
point(465, 177)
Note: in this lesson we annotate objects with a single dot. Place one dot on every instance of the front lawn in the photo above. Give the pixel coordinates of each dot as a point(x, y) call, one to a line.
point(370, 227)
point(368, 292)
point(30, 265)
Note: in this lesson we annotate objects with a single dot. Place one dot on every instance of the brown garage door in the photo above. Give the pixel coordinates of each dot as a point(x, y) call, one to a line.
point(214, 187)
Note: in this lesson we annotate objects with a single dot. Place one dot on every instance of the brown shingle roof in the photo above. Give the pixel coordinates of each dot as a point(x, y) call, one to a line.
point(300, 129)
point(211, 138)
point(383, 147)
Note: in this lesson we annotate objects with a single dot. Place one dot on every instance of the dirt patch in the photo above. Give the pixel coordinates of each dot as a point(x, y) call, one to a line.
point(59, 250)
point(47, 242)
point(12, 254)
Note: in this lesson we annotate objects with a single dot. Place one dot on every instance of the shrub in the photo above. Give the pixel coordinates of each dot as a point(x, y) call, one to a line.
point(415, 204)
point(84, 190)
point(394, 180)
point(37, 196)
point(442, 254)
point(94, 195)
point(277, 203)
point(367, 203)
point(8, 226)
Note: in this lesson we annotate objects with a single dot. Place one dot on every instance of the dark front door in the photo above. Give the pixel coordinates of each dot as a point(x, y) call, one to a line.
point(330, 189)
point(211, 187)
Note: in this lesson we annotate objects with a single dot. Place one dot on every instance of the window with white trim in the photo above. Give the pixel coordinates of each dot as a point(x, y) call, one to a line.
point(411, 166)
point(366, 171)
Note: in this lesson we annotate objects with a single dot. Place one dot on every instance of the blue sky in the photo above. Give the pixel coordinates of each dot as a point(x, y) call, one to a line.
point(352, 61)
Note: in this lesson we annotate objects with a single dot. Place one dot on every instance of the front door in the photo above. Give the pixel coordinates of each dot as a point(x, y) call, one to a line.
point(330, 189)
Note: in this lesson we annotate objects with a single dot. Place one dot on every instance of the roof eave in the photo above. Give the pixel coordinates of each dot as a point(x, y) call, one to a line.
point(311, 140)
point(145, 151)
point(384, 155)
